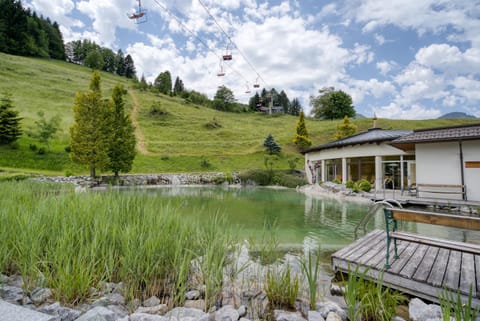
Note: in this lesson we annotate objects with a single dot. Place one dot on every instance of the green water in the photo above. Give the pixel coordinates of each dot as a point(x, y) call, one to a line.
point(299, 220)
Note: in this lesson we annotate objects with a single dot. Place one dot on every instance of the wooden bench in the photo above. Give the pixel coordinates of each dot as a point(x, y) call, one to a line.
point(452, 189)
point(392, 215)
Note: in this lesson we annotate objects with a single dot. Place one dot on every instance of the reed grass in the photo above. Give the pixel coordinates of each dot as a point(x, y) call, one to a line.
point(310, 265)
point(281, 287)
point(72, 242)
point(453, 307)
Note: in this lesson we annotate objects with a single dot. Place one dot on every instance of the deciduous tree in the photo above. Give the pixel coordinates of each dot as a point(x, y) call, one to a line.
point(332, 104)
point(90, 133)
point(46, 129)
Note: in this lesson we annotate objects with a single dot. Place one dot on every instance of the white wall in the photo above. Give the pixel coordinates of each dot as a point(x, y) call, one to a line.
point(471, 152)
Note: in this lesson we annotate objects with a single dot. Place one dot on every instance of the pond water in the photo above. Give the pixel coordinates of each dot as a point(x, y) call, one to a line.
point(301, 222)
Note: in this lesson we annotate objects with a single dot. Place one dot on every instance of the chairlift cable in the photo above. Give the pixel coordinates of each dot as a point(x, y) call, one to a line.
point(232, 42)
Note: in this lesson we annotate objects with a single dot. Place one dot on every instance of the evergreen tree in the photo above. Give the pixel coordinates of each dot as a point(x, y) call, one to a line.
point(122, 144)
point(295, 107)
point(120, 63)
point(9, 121)
point(143, 85)
point(284, 102)
point(271, 145)
point(90, 133)
point(130, 71)
point(345, 129)
point(302, 139)
point(178, 87)
point(254, 102)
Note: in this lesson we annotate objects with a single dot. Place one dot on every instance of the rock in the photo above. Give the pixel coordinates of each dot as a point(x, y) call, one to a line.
point(328, 306)
point(281, 315)
point(98, 314)
point(160, 309)
point(196, 304)
point(192, 295)
point(146, 317)
point(40, 295)
point(11, 294)
point(182, 313)
point(119, 310)
point(226, 313)
point(62, 313)
point(12, 312)
point(336, 290)
point(315, 316)
point(420, 311)
point(397, 318)
point(152, 301)
point(15, 280)
point(244, 319)
point(332, 316)
point(242, 311)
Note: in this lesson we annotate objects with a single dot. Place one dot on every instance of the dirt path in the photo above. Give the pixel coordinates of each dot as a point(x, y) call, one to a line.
point(141, 146)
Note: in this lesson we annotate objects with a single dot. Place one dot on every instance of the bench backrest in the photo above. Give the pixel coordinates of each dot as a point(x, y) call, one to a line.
point(460, 221)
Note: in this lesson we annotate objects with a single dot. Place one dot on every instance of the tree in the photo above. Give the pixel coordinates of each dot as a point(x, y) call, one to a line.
point(94, 60)
point(46, 129)
point(284, 102)
point(295, 107)
point(223, 99)
point(271, 145)
point(301, 138)
point(90, 133)
point(345, 129)
point(254, 102)
point(163, 82)
point(122, 144)
point(130, 71)
point(178, 87)
point(332, 104)
point(9, 121)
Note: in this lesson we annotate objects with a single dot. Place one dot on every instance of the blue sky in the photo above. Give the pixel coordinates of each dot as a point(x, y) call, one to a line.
point(409, 59)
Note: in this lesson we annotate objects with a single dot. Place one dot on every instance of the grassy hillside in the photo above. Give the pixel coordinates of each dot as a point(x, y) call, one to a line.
point(181, 139)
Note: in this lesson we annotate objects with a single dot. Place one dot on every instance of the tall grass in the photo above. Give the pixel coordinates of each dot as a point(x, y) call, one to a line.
point(310, 265)
point(453, 307)
point(72, 242)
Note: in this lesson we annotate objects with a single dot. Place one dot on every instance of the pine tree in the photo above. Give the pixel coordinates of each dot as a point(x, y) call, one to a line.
point(271, 145)
point(9, 121)
point(90, 133)
point(345, 129)
point(178, 87)
point(301, 138)
point(295, 107)
point(122, 144)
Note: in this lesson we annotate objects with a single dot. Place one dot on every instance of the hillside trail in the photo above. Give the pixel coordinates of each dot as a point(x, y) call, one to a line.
point(141, 146)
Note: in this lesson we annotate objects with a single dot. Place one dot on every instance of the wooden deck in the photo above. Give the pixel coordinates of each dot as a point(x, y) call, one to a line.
point(421, 270)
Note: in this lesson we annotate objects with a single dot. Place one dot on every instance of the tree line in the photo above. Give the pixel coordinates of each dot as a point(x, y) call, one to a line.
point(24, 33)
point(90, 54)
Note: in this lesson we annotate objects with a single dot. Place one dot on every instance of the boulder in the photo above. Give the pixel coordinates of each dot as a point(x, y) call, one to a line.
point(328, 306)
point(192, 295)
point(420, 311)
point(61, 313)
point(315, 316)
point(181, 313)
point(281, 315)
point(146, 317)
point(332, 316)
point(12, 312)
point(160, 309)
point(151, 301)
point(98, 313)
point(226, 313)
point(11, 294)
point(40, 295)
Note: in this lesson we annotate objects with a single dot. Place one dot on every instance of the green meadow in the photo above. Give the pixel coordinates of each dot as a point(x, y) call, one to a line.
point(179, 139)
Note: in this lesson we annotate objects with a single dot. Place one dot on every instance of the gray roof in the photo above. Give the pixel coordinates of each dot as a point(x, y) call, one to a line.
point(373, 135)
point(441, 134)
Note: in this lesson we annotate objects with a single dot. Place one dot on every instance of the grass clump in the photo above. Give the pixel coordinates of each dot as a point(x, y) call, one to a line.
point(72, 242)
point(310, 267)
point(281, 287)
point(452, 306)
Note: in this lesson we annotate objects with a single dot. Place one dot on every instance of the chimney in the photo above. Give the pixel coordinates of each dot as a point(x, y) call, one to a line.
point(374, 120)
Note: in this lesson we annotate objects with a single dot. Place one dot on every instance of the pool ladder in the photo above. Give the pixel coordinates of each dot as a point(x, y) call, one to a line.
point(392, 203)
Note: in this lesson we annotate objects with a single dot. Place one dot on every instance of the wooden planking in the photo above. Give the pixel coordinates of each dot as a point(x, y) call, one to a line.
point(415, 260)
point(425, 266)
point(439, 268)
point(452, 275)
point(379, 261)
point(444, 271)
point(467, 274)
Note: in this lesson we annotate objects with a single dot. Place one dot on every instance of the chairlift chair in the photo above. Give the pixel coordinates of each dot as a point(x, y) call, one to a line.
point(221, 73)
point(247, 91)
point(139, 16)
point(256, 84)
point(228, 53)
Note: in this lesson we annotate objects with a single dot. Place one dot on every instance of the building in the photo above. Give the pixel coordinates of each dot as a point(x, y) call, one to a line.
point(399, 159)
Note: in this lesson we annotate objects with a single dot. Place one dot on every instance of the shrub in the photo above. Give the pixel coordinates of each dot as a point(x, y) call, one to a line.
point(68, 149)
point(364, 185)
point(41, 151)
point(337, 181)
point(205, 163)
point(288, 180)
point(260, 177)
point(213, 124)
point(165, 157)
point(33, 147)
point(14, 145)
point(157, 110)
point(350, 184)
point(68, 173)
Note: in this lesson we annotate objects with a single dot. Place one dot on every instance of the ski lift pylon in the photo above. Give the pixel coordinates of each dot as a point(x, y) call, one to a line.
point(140, 15)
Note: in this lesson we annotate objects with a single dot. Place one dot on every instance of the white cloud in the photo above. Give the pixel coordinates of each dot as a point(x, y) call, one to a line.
point(386, 66)
point(416, 111)
point(444, 57)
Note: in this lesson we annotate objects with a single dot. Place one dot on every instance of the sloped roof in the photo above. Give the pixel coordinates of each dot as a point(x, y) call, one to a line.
point(373, 135)
point(440, 134)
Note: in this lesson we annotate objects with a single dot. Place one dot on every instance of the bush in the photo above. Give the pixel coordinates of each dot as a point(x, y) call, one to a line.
point(41, 151)
point(33, 147)
point(288, 180)
point(165, 157)
point(213, 124)
point(68, 173)
point(68, 149)
point(157, 110)
point(364, 185)
point(350, 184)
point(337, 181)
point(205, 163)
point(260, 177)
point(14, 145)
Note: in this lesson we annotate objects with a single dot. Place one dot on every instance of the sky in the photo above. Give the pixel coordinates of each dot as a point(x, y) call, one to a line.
point(401, 59)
